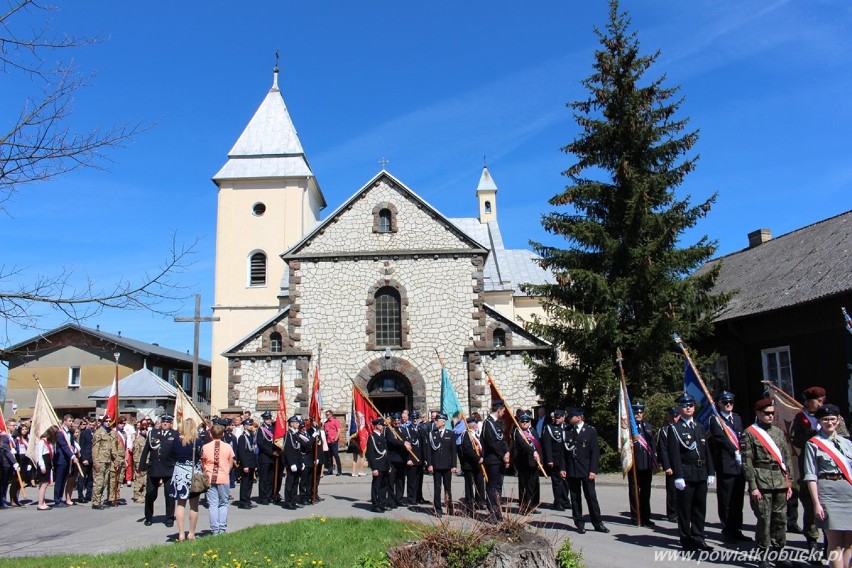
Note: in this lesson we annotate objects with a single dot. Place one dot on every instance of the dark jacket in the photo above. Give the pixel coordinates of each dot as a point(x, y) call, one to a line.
point(522, 451)
point(397, 453)
point(64, 451)
point(551, 444)
point(292, 451)
point(663, 447)
point(246, 457)
point(494, 444)
point(441, 450)
point(307, 443)
point(157, 457)
point(267, 451)
point(584, 451)
point(85, 441)
point(377, 452)
point(413, 436)
point(721, 448)
point(642, 458)
point(469, 456)
point(688, 452)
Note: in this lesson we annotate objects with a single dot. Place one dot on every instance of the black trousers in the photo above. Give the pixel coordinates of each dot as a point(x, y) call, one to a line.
point(277, 480)
point(306, 485)
point(84, 482)
point(529, 494)
point(60, 477)
point(417, 492)
point(643, 480)
point(494, 488)
point(442, 477)
point(559, 484)
point(396, 481)
point(6, 474)
point(332, 454)
point(246, 484)
point(691, 510)
point(379, 489)
point(151, 490)
point(265, 472)
point(671, 497)
point(474, 488)
point(291, 486)
point(575, 485)
point(730, 494)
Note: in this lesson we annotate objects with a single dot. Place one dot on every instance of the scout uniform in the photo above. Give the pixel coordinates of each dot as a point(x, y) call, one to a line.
point(693, 471)
point(766, 457)
point(107, 457)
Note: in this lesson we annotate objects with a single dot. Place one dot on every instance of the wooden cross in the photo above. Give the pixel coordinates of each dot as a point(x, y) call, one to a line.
point(197, 320)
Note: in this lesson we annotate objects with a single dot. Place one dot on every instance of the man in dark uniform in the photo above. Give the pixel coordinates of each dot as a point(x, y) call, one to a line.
point(552, 442)
point(584, 452)
point(267, 457)
point(246, 458)
point(315, 433)
point(84, 482)
point(495, 456)
point(294, 464)
point(693, 471)
point(645, 462)
point(472, 466)
point(725, 444)
point(157, 460)
point(377, 460)
point(418, 441)
point(399, 457)
point(441, 461)
point(307, 445)
point(672, 416)
point(527, 457)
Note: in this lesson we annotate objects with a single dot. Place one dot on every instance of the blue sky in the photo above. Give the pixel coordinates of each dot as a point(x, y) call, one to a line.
point(432, 87)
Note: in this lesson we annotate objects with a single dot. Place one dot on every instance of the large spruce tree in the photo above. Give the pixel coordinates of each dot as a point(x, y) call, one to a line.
point(624, 279)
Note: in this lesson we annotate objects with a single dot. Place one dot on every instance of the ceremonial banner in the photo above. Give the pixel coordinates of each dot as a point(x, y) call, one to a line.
point(112, 401)
point(625, 440)
point(450, 404)
point(704, 410)
point(43, 418)
point(786, 409)
point(316, 399)
point(363, 416)
point(280, 418)
point(185, 409)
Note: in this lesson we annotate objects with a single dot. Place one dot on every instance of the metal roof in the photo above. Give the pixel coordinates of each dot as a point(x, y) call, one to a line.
point(143, 384)
point(802, 266)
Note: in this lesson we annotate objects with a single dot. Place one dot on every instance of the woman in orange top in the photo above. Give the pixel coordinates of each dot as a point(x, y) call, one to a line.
point(217, 459)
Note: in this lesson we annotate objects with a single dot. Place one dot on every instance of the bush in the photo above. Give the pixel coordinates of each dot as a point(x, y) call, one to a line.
point(567, 557)
point(374, 560)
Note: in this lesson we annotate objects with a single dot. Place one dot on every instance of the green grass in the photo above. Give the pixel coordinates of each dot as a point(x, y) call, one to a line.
point(316, 542)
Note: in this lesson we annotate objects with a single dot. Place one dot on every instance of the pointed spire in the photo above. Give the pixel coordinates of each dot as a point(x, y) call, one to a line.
point(486, 182)
point(486, 194)
point(275, 74)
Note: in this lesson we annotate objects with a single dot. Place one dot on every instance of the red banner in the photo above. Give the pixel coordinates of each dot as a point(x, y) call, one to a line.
point(281, 417)
point(112, 401)
point(364, 416)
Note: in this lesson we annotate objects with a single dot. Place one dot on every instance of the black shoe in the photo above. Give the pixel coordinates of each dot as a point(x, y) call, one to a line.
point(671, 519)
point(794, 528)
point(649, 524)
point(814, 554)
point(438, 513)
point(422, 502)
point(60, 505)
point(289, 507)
point(703, 546)
point(101, 508)
point(581, 529)
point(558, 508)
point(377, 509)
point(244, 506)
point(336, 474)
point(601, 528)
point(264, 502)
point(742, 538)
point(169, 523)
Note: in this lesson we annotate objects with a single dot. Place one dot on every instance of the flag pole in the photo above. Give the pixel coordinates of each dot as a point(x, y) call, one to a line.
point(619, 360)
point(462, 417)
point(117, 483)
point(391, 428)
point(52, 411)
point(514, 420)
point(786, 396)
point(18, 471)
point(316, 446)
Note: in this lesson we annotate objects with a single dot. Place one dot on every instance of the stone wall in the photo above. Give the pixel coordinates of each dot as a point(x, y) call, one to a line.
point(250, 373)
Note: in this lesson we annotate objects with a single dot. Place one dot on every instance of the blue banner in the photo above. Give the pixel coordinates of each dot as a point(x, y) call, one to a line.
point(704, 411)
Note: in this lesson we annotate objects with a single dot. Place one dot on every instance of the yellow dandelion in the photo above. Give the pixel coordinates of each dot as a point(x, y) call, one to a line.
point(292, 555)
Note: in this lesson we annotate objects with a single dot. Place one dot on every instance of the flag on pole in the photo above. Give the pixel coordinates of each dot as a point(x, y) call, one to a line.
point(848, 319)
point(786, 409)
point(43, 418)
point(704, 410)
point(280, 418)
point(316, 399)
point(3, 427)
point(112, 401)
point(625, 422)
point(185, 409)
point(362, 418)
point(450, 404)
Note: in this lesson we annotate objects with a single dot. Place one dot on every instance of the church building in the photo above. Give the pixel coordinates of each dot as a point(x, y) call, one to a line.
point(373, 294)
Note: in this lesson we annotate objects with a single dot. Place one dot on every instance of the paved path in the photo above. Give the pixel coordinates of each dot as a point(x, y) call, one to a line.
point(80, 529)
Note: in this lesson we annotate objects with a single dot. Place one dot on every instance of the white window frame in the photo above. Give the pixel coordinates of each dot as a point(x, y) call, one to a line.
point(157, 371)
point(173, 377)
point(72, 374)
point(249, 283)
point(186, 381)
point(775, 353)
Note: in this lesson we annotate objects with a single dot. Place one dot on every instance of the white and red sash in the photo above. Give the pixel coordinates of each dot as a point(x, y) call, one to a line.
point(729, 432)
point(838, 458)
point(769, 445)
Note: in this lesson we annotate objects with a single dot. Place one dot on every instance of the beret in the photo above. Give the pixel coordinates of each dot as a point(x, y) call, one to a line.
point(762, 403)
point(814, 392)
point(827, 410)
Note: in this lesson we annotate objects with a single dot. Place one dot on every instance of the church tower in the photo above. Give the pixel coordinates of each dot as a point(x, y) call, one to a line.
point(268, 200)
point(486, 193)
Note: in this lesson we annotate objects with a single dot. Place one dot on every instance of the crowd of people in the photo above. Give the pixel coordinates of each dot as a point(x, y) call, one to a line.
point(190, 461)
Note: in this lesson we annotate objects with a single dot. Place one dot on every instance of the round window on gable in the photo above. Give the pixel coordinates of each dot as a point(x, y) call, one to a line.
point(258, 209)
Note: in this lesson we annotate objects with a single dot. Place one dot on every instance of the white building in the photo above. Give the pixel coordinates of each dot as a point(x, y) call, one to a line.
point(380, 284)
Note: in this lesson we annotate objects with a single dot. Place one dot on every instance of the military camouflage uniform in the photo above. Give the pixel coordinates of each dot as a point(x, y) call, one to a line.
point(107, 457)
point(763, 472)
point(140, 478)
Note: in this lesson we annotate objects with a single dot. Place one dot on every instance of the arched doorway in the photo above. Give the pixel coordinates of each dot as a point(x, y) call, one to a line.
point(390, 392)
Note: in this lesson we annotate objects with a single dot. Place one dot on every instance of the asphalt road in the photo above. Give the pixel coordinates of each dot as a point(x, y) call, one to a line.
point(80, 529)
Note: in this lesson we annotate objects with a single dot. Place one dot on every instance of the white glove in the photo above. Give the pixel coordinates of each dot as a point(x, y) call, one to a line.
point(16, 467)
point(293, 468)
point(738, 457)
point(302, 466)
point(680, 484)
point(711, 480)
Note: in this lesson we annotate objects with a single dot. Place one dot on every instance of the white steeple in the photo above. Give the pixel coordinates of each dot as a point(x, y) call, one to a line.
point(486, 192)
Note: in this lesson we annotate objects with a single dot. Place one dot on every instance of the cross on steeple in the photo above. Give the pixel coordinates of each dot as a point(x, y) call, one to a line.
point(384, 162)
point(197, 320)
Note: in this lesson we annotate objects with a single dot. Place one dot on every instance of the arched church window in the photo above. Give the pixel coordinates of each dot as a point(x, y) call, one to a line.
point(388, 318)
point(275, 343)
point(488, 207)
point(498, 338)
point(385, 221)
point(257, 269)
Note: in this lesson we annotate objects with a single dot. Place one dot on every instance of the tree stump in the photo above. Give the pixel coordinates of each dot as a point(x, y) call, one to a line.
point(527, 551)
